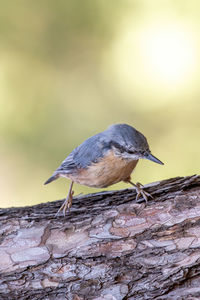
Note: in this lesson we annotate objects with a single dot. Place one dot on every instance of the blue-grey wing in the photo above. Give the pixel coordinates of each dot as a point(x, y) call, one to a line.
point(90, 151)
point(67, 165)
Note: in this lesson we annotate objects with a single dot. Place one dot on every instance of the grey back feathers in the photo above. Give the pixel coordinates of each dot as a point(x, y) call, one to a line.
point(90, 151)
point(120, 136)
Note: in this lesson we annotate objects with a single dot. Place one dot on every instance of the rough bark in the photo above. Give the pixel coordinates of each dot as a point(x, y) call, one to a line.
point(107, 247)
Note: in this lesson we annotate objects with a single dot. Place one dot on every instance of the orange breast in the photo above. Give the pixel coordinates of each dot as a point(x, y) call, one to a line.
point(109, 170)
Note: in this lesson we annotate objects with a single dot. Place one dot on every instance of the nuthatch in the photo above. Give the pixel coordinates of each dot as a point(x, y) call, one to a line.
point(104, 159)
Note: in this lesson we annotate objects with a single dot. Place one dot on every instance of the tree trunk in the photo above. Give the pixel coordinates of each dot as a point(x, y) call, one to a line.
point(107, 247)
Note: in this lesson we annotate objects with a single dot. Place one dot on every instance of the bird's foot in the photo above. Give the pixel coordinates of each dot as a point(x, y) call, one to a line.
point(66, 205)
point(141, 192)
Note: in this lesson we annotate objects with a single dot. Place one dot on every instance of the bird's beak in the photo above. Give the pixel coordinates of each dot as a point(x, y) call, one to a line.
point(149, 156)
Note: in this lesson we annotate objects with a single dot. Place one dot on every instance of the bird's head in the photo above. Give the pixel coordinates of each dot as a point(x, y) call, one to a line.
point(129, 143)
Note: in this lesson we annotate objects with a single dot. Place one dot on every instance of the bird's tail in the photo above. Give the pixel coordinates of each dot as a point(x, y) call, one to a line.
point(52, 178)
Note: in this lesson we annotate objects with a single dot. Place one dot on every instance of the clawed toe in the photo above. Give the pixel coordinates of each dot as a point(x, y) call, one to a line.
point(141, 192)
point(67, 203)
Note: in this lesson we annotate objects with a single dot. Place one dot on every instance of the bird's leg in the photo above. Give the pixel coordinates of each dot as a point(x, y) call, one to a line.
point(68, 201)
point(140, 191)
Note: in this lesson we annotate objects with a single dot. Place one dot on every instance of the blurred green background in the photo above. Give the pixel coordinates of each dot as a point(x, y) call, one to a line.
point(69, 69)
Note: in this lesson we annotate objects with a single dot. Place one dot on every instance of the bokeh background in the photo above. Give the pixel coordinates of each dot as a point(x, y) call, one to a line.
point(70, 68)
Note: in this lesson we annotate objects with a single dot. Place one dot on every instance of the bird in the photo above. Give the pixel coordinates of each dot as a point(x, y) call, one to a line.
point(105, 159)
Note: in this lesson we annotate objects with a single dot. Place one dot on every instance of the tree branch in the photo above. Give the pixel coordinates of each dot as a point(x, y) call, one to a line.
point(107, 247)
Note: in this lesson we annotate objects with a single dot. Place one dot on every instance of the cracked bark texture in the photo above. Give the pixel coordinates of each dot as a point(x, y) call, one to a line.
point(107, 247)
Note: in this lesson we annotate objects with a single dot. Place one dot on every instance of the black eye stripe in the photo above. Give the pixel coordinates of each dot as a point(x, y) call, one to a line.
point(130, 151)
point(122, 148)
